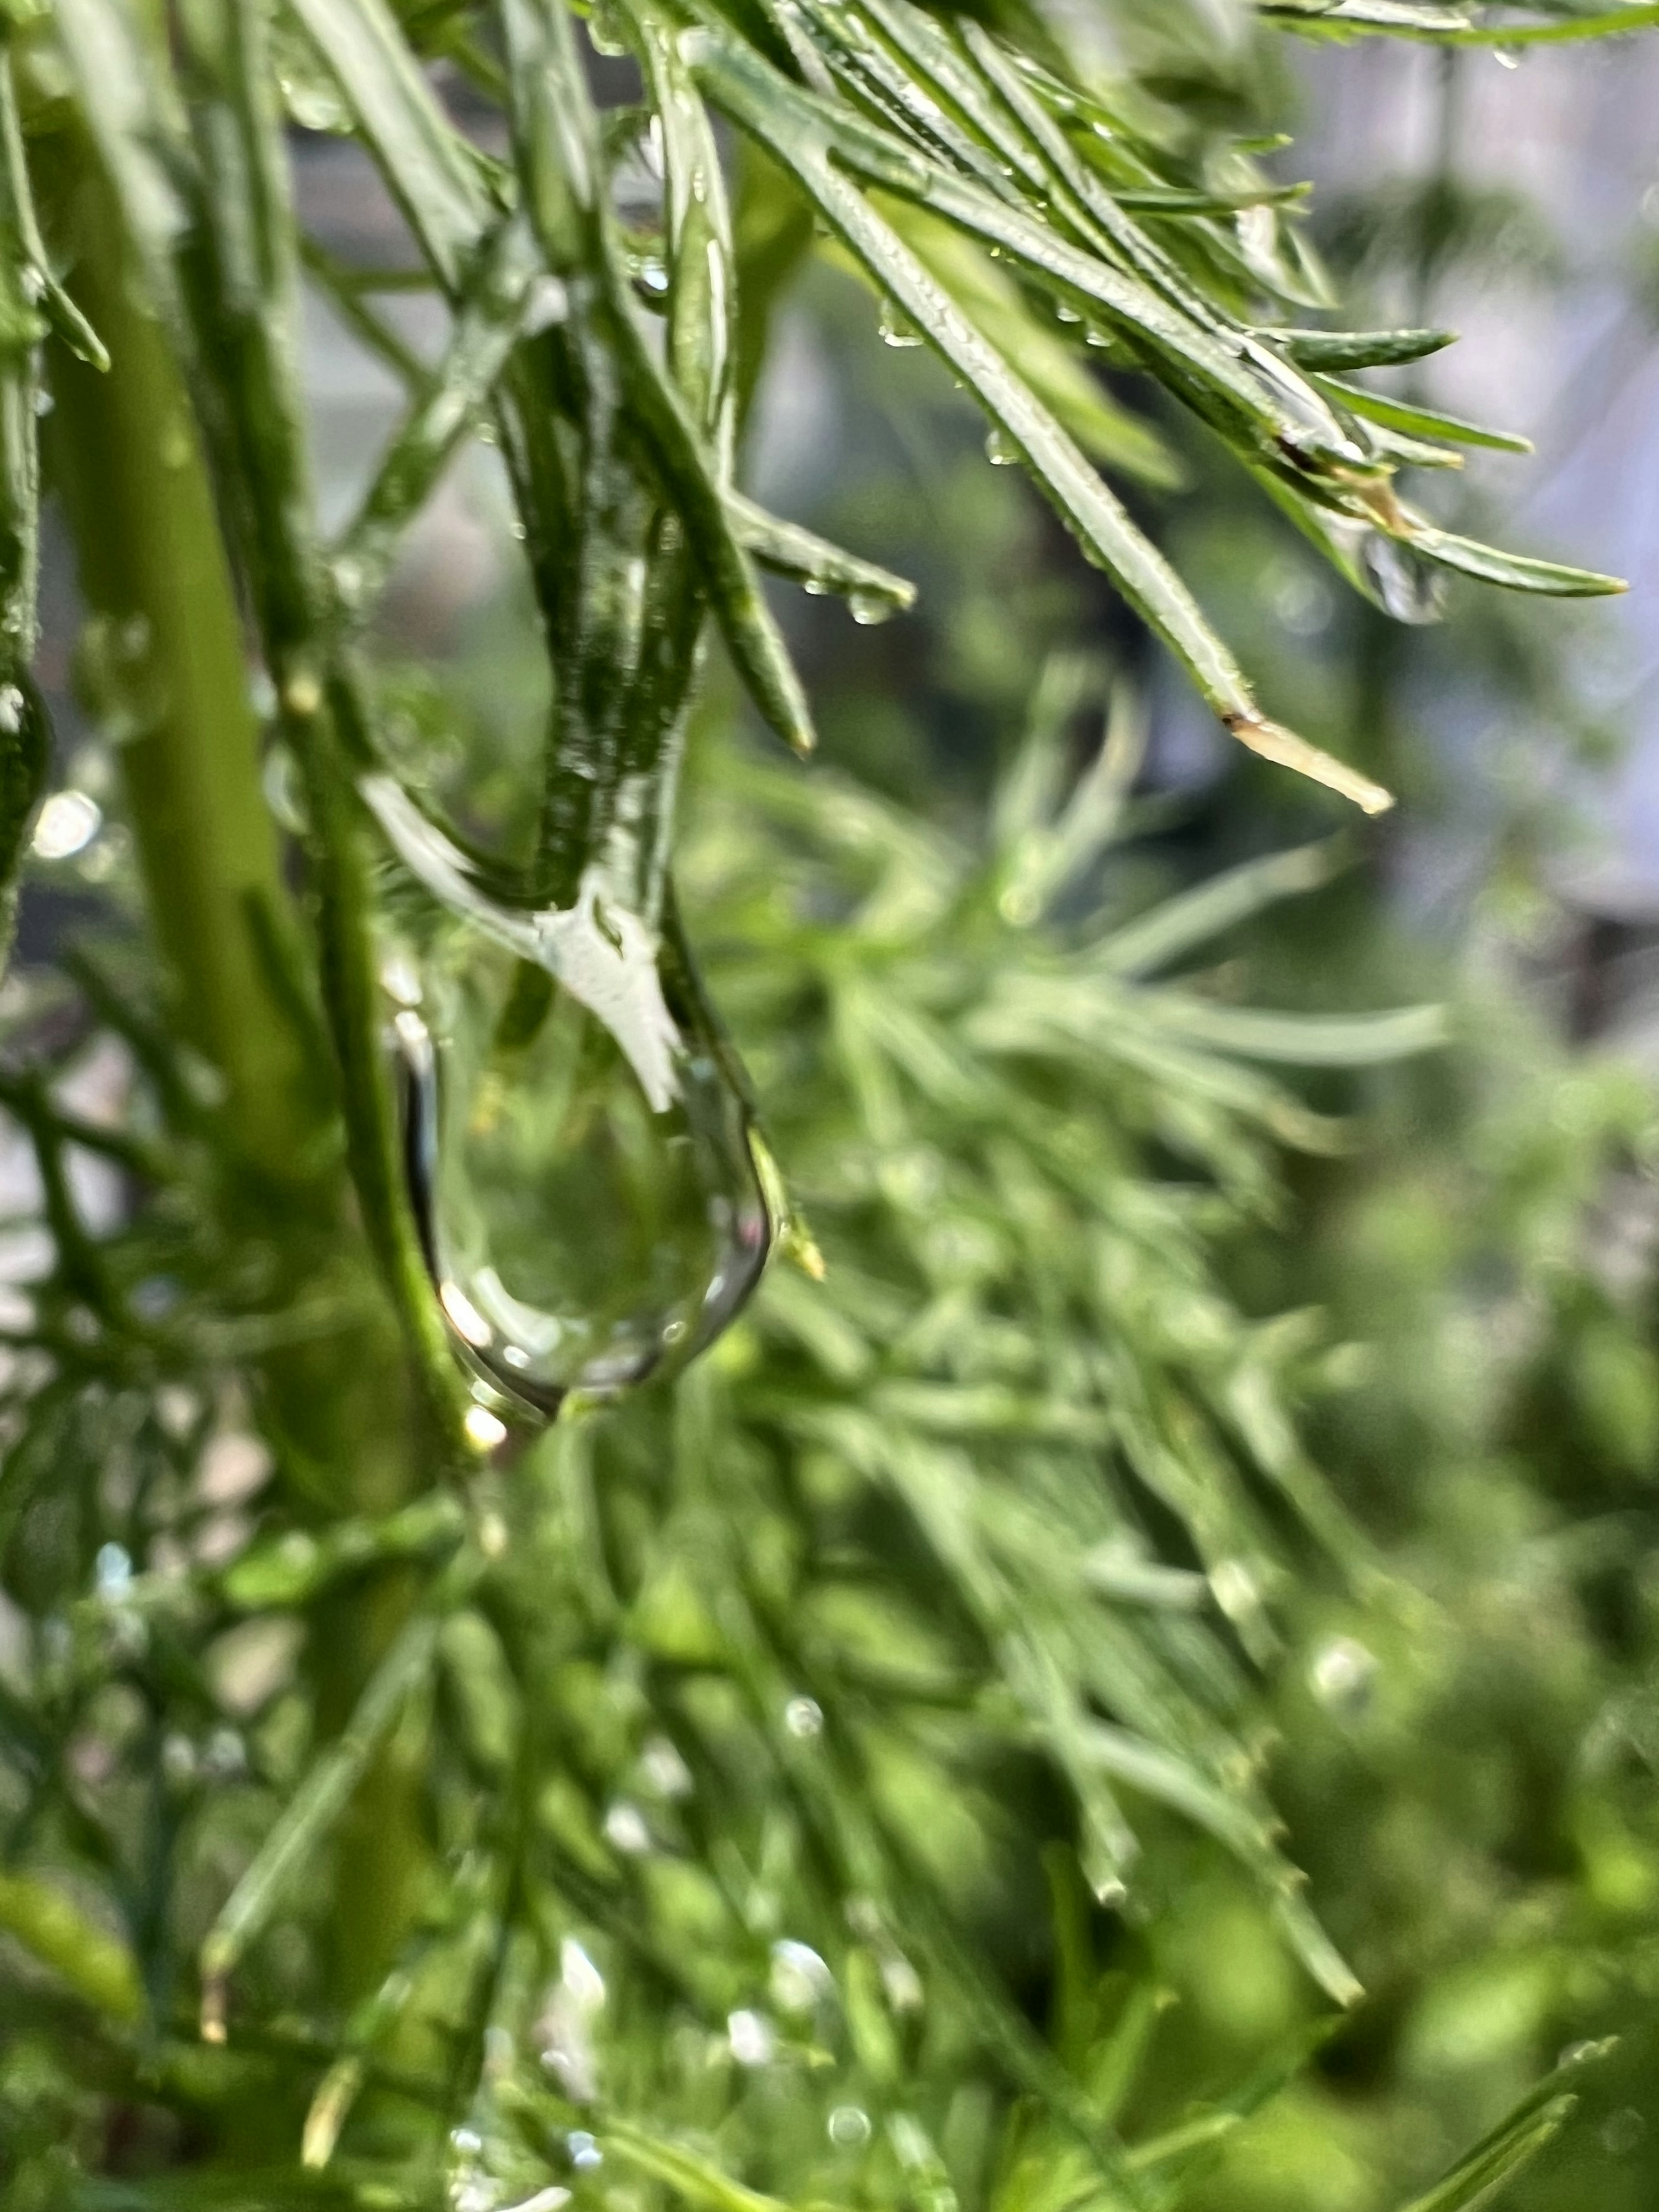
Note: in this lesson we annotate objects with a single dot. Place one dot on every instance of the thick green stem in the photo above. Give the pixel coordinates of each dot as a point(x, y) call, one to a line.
point(128, 464)
point(153, 570)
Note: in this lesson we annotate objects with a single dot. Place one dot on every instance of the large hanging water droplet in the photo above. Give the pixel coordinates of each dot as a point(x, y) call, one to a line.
point(1000, 450)
point(579, 1157)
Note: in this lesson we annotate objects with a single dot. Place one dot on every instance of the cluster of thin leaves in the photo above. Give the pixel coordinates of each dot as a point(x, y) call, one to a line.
point(747, 1722)
point(737, 1723)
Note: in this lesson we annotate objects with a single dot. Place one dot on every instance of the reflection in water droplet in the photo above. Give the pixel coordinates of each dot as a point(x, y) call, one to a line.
point(869, 608)
point(1000, 450)
point(577, 1157)
point(848, 2127)
point(895, 331)
point(804, 1716)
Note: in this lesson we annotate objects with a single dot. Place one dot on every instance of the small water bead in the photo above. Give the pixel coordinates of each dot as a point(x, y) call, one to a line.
point(897, 332)
point(1342, 1673)
point(869, 608)
point(350, 581)
point(801, 1979)
point(547, 304)
point(751, 2038)
point(68, 823)
point(848, 2127)
point(584, 2153)
point(113, 1573)
point(484, 1429)
point(625, 1830)
point(664, 1769)
point(804, 1717)
point(604, 35)
point(1000, 450)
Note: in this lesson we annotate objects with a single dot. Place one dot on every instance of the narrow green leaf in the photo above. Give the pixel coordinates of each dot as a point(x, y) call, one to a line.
point(510, 291)
point(791, 550)
point(1338, 349)
point(307, 1819)
point(1041, 356)
point(1478, 2178)
point(1152, 940)
point(1517, 571)
point(432, 174)
point(98, 1966)
point(556, 136)
point(1303, 1040)
point(1424, 421)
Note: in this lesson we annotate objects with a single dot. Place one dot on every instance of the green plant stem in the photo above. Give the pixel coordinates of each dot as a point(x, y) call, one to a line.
point(129, 466)
point(139, 501)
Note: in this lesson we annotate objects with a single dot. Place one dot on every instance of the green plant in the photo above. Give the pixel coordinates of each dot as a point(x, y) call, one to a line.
point(731, 1797)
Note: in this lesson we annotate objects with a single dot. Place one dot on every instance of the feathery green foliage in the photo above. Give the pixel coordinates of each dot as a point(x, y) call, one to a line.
point(755, 1795)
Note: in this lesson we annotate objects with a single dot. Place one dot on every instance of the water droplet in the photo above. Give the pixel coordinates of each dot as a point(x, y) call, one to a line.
point(1341, 1674)
point(604, 34)
point(548, 303)
point(651, 275)
point(280, 778)
point(1621, 2131)
point(177, 1759)
point(484, 1429)
point(1065, 315)
point(664, 1769)
point(901, 1983)
point(1236, 1590)
point(801, 1979)
point(848, 2127)
point(1000, 450)
point(112, 1572)
point(804, 1717)
point(584, 2153)
point(302, 693)
point(898, 330)
point(348, 579)
point(625, 1830)
point(1504, 59)
point(751, 2039)
point(868, 609)
point(68, 821)
point(1410, 588)
point(579, 1156)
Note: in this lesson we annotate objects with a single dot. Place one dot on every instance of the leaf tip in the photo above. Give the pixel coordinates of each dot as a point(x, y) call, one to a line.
point(1273, 741)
